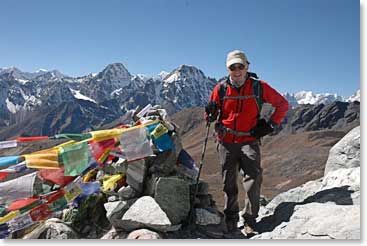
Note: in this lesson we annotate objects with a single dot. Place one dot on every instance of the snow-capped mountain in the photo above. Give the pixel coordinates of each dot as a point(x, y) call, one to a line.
point(114, 87)
point(185, 87)
point(355, 97)
point(308, 97)
point(16, 74)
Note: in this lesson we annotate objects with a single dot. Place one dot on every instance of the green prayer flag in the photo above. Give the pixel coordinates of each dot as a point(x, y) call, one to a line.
point(58, 204)
point(74, 136)
point(2, 211)
point(75, 158)
point(30, 206)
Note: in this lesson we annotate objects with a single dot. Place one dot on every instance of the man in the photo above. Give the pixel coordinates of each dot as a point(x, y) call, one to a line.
point(236, 104)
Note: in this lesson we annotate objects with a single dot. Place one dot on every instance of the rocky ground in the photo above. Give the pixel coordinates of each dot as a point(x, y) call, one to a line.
point(158, 196)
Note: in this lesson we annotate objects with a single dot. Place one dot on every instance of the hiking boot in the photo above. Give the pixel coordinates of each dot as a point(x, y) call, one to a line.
point(231, 225)
point(234, 234)
point(232, 231)
point(249, 230)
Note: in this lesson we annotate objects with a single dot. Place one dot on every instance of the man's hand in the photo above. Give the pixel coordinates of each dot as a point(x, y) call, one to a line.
point(211, 111)
point(262, 128)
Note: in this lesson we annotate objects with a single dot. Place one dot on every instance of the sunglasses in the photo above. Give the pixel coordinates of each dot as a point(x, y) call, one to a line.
point(234, 67)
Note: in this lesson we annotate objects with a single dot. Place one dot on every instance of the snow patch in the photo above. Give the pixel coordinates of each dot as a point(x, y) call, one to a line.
point(355, 97)
point(11, 106)
point(22, 81)
point(41, 70)
point(78, 95)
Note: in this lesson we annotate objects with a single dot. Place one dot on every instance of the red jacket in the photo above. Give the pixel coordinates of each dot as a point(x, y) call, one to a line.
point(241, 114)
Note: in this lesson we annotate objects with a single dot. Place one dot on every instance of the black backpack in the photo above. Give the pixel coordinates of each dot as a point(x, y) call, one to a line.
point(257, 90)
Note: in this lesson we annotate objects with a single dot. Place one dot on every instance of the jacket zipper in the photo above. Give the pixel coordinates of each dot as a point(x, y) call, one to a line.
point(235, 119)
point(243, 100)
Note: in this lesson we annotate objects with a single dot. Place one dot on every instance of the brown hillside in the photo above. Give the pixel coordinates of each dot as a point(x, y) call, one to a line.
point(288, 160)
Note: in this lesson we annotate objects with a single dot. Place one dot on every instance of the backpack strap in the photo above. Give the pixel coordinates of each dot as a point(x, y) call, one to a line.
point(257, 90)
point(222, 90)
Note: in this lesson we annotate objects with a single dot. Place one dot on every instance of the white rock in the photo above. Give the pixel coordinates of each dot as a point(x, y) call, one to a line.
point(319, 221)
point(143, 234)
point(346, 153)
point(145, 213)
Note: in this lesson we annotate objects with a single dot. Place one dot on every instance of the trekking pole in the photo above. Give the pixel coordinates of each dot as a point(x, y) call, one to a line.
point(200, 167)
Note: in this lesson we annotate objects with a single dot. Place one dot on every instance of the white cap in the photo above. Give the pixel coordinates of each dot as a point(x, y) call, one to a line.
point(236, 56)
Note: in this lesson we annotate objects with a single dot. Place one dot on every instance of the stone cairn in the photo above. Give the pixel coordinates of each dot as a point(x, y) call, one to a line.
point(153, 201)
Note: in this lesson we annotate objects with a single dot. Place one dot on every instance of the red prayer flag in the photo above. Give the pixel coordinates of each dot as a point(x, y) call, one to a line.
point(54, 196)
point(56, 176)
point(41, 212)
point(100, 148)
point(29, 139)
point(18, 204)
point(3, 175)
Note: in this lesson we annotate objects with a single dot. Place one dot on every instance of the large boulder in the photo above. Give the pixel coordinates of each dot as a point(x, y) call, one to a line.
point(143, 234)
point(173, 196)
point(145, 213)
point(318, 221)
point(205, 217)
point(346, 153)
point(127, 193)
point(136, 173)
point(115, 211)
point(347, 178)
point(115, 234)
point(295, 195)
point(52, 229)
point(164, 164)
point(341, 187)
point(90, 212)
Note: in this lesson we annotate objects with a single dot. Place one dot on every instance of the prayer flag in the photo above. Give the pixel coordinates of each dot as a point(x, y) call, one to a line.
point(159, 131)
point(8, 160)
point(73, 190)
point(135, 145)
point(101, 149)
point(47, 159)
point(8, 217)
point(106, 134)
point(42, 212)
point(20, 222)
point(21, 187)
point(8, 144)
point(75, 158)
point(21, 203)
point(110, 182)
point(73, 136)
point(3, 175)
point(90, 187)
point(56, 176)
point(29, 139)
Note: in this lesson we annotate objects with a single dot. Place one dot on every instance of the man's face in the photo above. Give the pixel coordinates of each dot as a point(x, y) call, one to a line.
point(238, 72)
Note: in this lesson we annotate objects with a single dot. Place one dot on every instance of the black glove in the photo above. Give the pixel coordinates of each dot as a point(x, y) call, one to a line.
point(211, 111)
point(262, 128)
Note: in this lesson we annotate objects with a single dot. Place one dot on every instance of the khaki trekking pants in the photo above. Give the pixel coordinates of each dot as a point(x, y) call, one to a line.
point(241, 158)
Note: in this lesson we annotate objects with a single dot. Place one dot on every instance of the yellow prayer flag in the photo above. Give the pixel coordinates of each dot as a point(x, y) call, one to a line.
point(110, 181)
point(8, 217)
point(46, 159)
point(88, 177)
point(106, 134)
point(159, 131)
point(116, 132)
point(73, 192)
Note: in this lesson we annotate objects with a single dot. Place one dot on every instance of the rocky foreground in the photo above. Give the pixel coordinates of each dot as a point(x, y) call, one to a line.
point(155, 203)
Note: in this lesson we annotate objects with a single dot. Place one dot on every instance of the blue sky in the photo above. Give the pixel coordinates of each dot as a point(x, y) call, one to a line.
point(292, 44)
